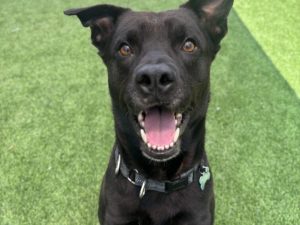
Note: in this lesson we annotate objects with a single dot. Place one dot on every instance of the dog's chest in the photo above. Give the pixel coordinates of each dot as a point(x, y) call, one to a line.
point(160, 207)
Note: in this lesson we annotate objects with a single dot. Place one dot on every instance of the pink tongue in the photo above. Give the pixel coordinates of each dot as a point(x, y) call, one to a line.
point(159, 127)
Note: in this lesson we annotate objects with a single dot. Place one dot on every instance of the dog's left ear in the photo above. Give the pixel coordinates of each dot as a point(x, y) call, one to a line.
point(101, 19)
point(213, 13)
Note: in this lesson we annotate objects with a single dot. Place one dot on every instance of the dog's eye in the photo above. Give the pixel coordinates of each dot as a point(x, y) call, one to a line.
point(189, 46)
point(125, 50)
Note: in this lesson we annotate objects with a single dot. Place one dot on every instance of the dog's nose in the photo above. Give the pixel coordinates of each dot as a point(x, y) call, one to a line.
point(155, 78)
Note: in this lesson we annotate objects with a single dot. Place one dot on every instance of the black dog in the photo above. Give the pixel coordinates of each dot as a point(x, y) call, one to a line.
point(159, 68)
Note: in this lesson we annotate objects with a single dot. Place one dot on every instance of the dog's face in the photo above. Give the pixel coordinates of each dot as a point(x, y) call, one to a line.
point(158, 66)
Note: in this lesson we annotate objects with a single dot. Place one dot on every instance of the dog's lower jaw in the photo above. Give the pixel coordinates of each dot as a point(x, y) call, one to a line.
point(161, 157)
point(189, 151)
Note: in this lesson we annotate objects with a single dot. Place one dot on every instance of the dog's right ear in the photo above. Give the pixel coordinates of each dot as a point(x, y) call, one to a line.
point(101, 19)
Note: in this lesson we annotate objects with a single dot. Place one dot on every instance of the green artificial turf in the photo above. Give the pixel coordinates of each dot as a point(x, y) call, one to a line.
point(56, 129)
point(276, 26)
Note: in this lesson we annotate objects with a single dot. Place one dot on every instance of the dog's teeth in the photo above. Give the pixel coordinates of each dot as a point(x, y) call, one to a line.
point(176, 122)
point(140, 117)
point(160, 148)
point(143, 135)
point(171, 145)
point(179, 121)
point(154, 147)
point(178, 115)
point(149, 145)
point(176, 136)
point(167, 147)
point(179, 118)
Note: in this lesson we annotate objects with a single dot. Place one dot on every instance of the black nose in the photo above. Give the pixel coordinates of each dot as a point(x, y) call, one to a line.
point(155, 78)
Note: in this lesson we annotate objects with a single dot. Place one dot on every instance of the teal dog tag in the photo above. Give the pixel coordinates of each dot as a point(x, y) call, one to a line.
point(205, 176)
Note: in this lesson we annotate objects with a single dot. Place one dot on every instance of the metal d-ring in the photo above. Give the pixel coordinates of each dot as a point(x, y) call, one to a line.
point(143, 189)
point(118, 165)
point(130, 180)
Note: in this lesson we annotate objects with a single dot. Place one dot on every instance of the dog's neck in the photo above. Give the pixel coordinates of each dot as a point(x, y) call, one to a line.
point(192, 152)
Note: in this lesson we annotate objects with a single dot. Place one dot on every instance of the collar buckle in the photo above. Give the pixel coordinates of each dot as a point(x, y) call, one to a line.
point(132, 180)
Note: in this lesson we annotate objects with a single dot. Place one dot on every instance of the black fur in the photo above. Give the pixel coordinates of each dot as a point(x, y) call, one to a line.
point(176, 80)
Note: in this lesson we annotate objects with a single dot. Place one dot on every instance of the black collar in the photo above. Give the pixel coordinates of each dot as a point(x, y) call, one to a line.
point(137, 179)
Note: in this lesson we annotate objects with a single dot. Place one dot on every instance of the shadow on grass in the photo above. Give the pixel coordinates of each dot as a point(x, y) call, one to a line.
point(253, 135)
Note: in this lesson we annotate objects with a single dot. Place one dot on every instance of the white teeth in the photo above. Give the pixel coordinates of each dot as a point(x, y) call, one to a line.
point(143, 135)
point(141, 121)
point(160, 148)
point(178, 118)
point(178, 115)
point(140, 117)
point(176, 136)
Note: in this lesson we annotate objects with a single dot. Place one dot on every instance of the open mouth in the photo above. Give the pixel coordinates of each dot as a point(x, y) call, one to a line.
point(160, 131)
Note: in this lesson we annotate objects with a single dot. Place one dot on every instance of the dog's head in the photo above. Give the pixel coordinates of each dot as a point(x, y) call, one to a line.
point(158, 66)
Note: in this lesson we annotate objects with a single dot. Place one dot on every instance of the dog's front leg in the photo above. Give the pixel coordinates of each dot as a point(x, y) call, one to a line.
point(192, 219)
point(116, 223)
point(203, 222)
point(118, 199)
